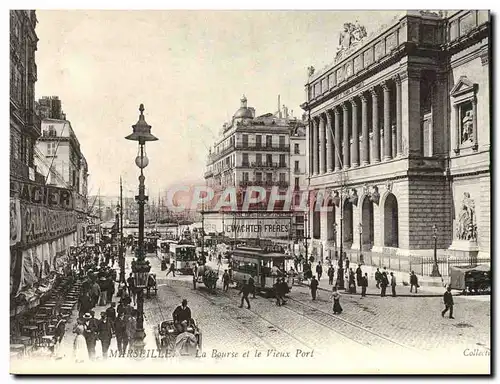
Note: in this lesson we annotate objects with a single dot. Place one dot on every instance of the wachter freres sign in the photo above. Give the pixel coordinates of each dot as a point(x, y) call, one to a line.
point(245, 228)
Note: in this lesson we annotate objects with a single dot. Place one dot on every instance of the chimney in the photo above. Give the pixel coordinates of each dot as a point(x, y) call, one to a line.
point(279, 106)
point(285, 112)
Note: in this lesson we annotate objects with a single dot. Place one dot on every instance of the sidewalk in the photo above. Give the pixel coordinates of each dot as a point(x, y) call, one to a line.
point(429, 286)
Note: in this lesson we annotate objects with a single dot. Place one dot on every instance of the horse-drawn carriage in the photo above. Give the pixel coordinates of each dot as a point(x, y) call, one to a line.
point(207, 276)
point(471, 279)
point(170, 343)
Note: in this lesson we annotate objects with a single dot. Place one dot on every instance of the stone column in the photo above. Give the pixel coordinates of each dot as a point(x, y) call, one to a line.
point(309, 140)
point(355, 135)
point(330, 147)
point(375, 127)
point(474, 122)
point(315, 147)
point(399, 131)
point(337, 139)
point(387, 123)
point(410, 112)
point(346, 136)
point(457, 129)
point(364, 131)
point(322, 145)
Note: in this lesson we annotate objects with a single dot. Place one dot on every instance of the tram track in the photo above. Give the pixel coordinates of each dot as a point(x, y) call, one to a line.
point(352, 331)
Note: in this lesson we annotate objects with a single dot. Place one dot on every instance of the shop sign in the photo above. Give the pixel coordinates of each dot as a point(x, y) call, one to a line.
point(245, 228)
point(44, 195)
point(40, 224)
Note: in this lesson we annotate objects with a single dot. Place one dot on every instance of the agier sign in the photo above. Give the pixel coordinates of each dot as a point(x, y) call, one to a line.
point(44, 195)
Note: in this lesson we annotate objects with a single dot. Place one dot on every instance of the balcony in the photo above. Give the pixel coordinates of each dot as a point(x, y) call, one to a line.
point(267, 165)
point(220, 154)
point(298, 171)
point(262, 183)
point(260, 147)
point(207, 174)
point(33, 122)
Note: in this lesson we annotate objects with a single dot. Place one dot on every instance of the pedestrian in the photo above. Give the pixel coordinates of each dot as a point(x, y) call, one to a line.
point(278, 292)
point(331, 274)
point(359, 275)
point(384, 282)
point(393, 284)
point(346, 261)
point(413, 282)
point(245, 290)
point(171, 269)
point(121, 334)
point(251, 283)
point(110, 289)
point(364, 284)
point(103, 286)
point(131, 287)
point(352, 282)
point(111, 313)
point(225, 281)
point(319, 270)
point(448, 302)
point(378, 277)
point(80, 351)
point(95, 292)
point(90, 334)
point(105, 332)
point(337, 309)
point(131, 326)
point(59, 330)
point(314, 287)
point(284, 289)
point(85, 304)
point(219, 260)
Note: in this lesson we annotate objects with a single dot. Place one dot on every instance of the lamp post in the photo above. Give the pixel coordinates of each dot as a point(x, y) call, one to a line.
point(335, 237)
point(435, 267)
point(121, 255)
point(141, 134)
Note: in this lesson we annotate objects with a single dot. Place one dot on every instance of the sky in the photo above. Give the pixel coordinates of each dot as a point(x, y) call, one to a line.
point(189, 69)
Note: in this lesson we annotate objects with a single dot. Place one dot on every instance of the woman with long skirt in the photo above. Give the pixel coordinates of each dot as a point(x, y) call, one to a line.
point(337, 309)
point(80, 345)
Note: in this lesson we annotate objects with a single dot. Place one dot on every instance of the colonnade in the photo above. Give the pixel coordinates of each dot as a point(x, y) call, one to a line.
point(340, 139)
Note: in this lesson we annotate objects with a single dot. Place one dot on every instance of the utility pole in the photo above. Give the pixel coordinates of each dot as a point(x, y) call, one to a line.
point(121, 254)
point(202, 231)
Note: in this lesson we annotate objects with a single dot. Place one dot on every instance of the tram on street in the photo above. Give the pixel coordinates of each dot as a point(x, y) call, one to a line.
point(264, 264)
point(184, 257)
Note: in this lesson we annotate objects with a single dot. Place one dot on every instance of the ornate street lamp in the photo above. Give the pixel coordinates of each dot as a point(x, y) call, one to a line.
point(142, 134)
point(335, 237)
point(435, 267)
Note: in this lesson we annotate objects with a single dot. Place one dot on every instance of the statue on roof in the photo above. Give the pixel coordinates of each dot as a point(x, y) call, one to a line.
point(352, 34)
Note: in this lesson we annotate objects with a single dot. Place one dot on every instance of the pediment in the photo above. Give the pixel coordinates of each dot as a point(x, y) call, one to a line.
point(463, 86)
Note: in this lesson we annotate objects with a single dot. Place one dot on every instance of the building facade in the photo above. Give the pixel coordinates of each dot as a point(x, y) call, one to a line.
point(62, 160)
point(400, 130)
point(257, 151)
point(42, 218)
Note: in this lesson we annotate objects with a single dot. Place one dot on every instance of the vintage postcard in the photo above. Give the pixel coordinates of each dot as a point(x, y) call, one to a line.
point(260, 192)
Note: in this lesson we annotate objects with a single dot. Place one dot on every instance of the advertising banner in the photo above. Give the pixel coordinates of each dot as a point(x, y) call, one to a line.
point(15, 221)
point(40, 224)
point(259, 227)
point(44, 195)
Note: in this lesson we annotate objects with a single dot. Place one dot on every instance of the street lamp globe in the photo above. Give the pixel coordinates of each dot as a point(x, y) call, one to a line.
point(142, 161)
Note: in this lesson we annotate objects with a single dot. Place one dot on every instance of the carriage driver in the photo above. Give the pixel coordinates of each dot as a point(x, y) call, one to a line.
point(182, 313)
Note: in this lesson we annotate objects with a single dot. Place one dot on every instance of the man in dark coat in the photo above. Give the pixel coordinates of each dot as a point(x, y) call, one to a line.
point(111, 313)
point(110, 291)
point(251, 283)
point(182, 312)
point(85, 305)
point(448, 302)
point(384, 282)
point(225, 281)
point(319, 270)
point(131, 287)
point(105, 332)
point(121, 334)
point(359, 275)
point(314, 287)
point(90, 334)
point(245, 290)
point(330, 273)
point(413, 282)
point(364, 284)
